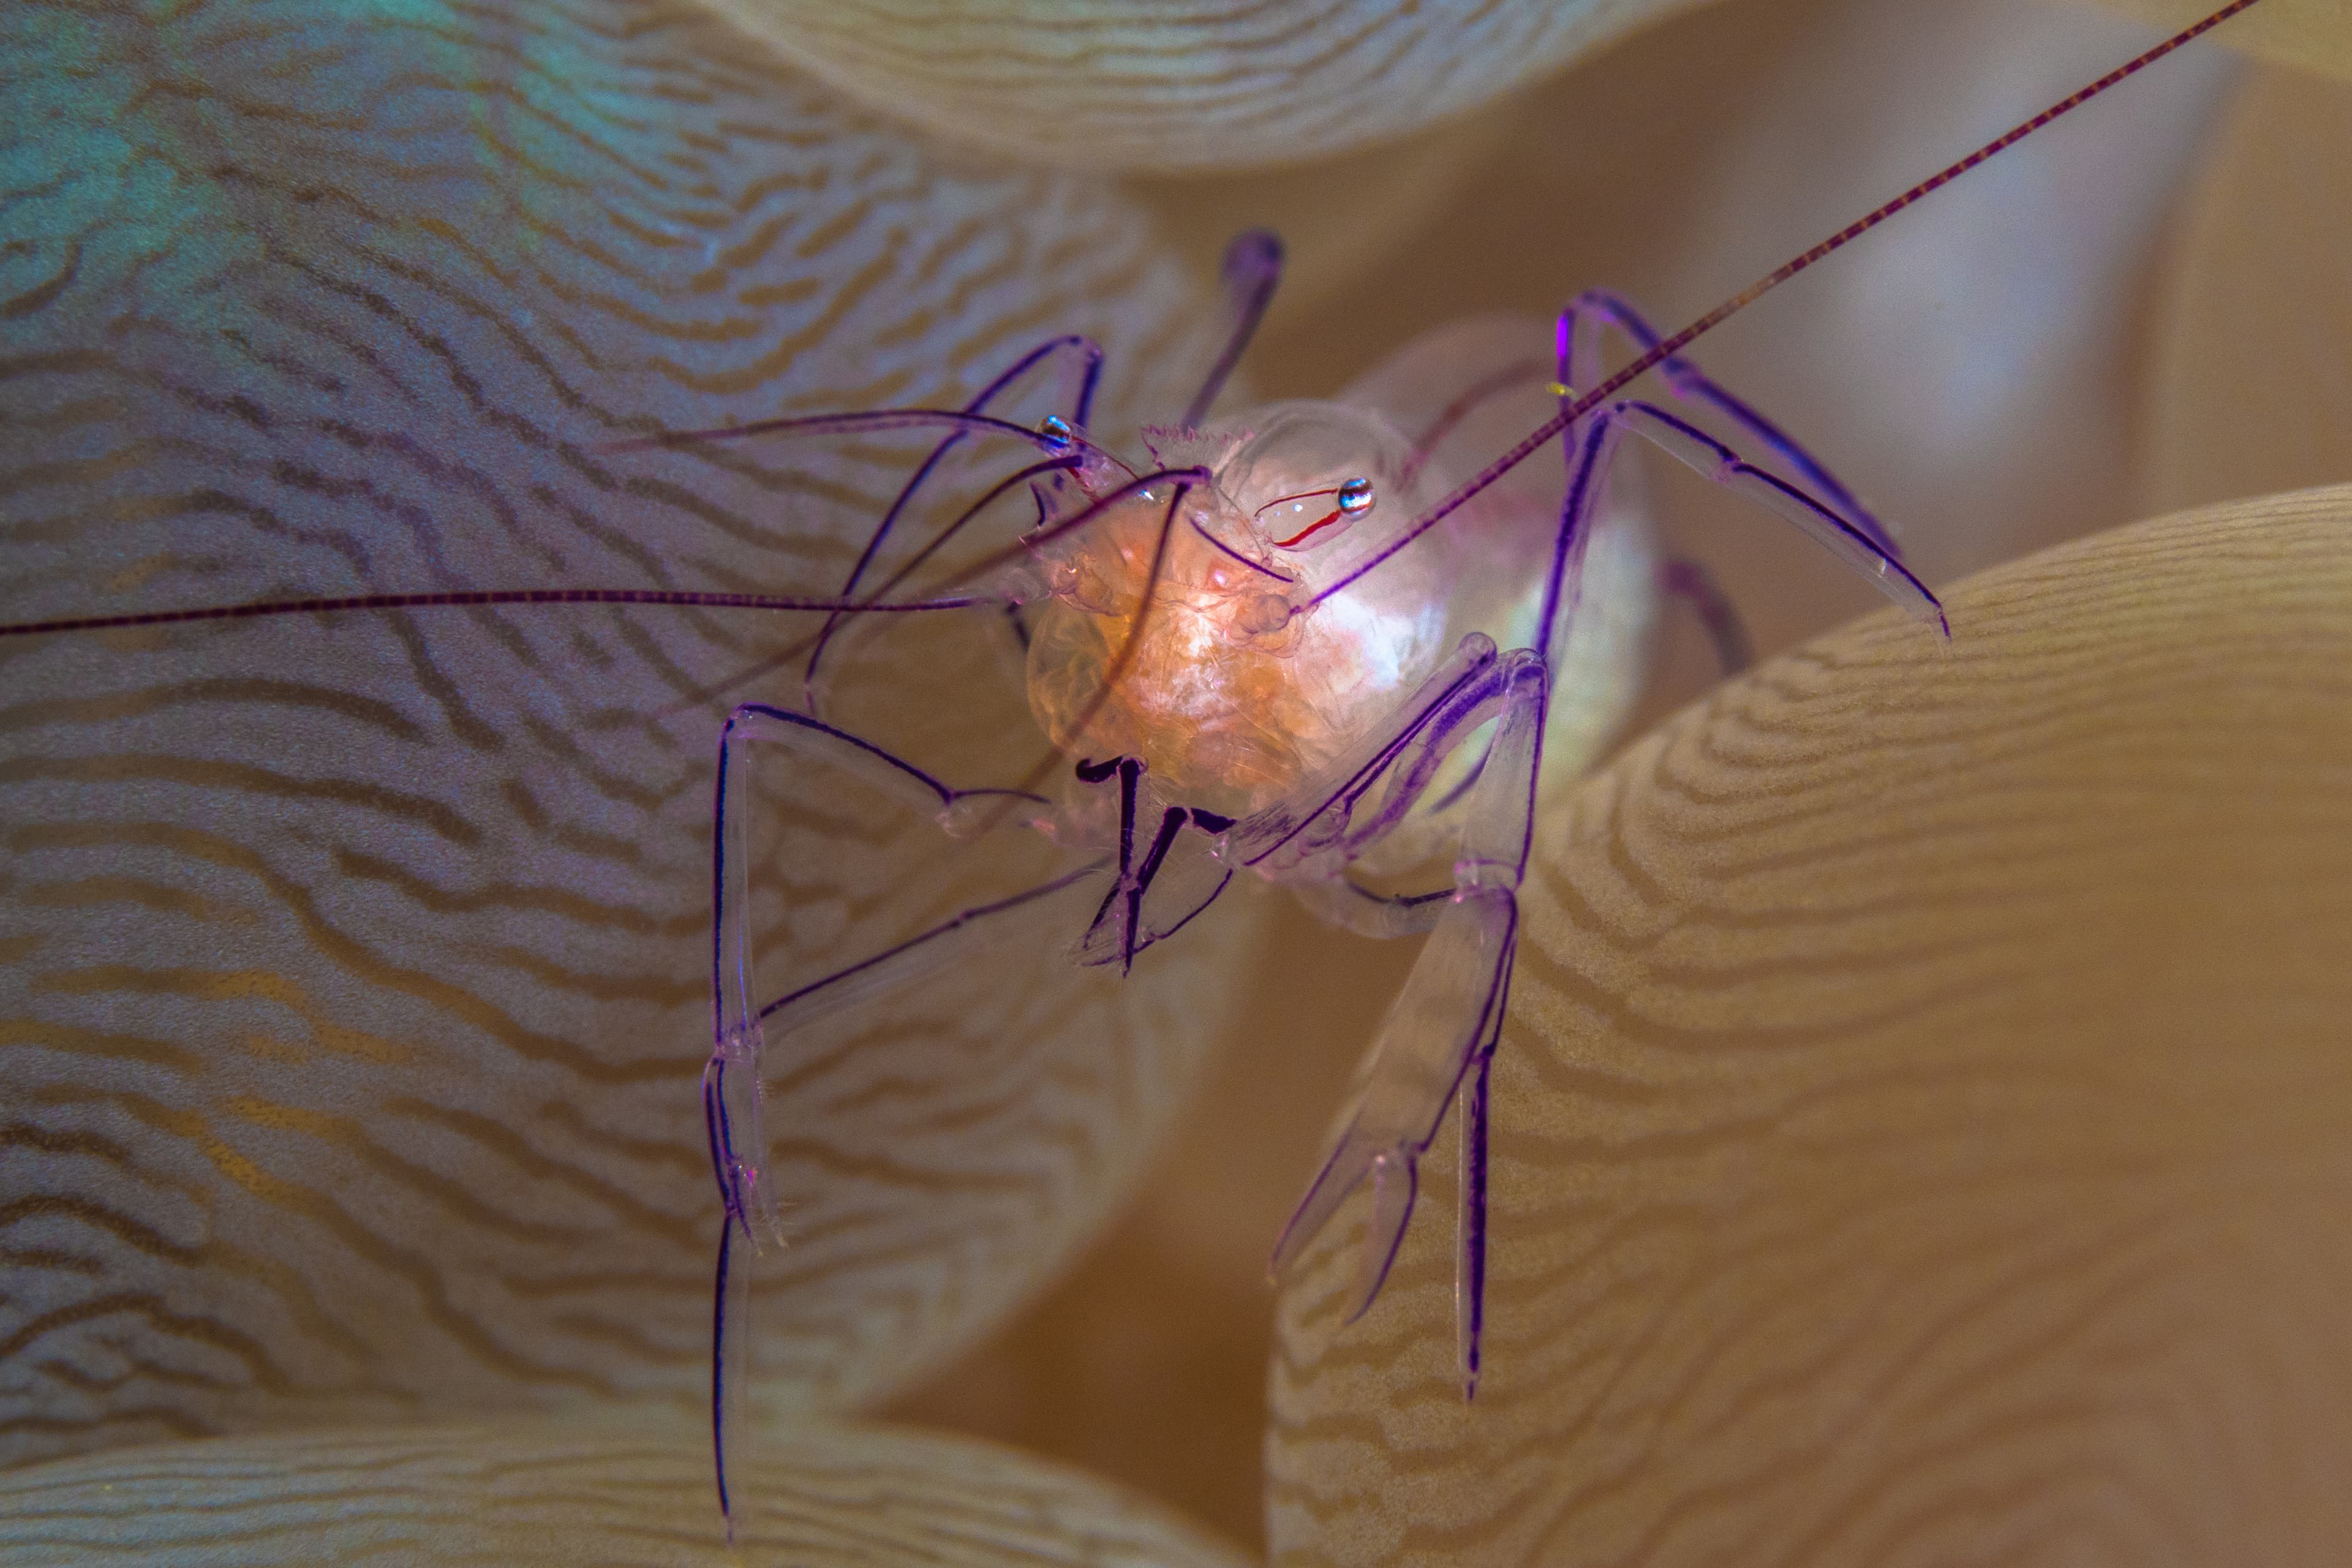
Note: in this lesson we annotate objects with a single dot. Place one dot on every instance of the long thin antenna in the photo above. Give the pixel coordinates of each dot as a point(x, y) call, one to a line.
point(1665, 347)
point(1253, 287)
point(460, 598)
point(1252, 271)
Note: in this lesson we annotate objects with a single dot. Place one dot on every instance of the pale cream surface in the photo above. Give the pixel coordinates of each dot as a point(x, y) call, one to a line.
point(2309, 35)
point(582, 1492)
point(1221, 85)
point(2248, 384)
point(1919, 1133)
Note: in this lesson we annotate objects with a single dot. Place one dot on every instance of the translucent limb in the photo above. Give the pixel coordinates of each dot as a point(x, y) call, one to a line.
point(1470, 1224)
point(1082, 373)
point(1712, 459)
point(1863, 550)
point(1594, 312)
point(1180, 878)
point(1416, 766)
point(730, 1302)
point(1159, 892)
point(1253, 268)
point(1444, 1025)
point(910, 961)
point(1307, 828)
point(1431, 1036)
point(733, 1079)
point(1111, 934)
point(1380, 916)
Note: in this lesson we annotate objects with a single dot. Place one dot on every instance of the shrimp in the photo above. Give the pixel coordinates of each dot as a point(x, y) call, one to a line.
point(1319, 643)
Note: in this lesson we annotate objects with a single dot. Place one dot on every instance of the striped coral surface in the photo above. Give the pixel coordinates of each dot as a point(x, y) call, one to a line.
point(354, 973)
point(1920, 1132)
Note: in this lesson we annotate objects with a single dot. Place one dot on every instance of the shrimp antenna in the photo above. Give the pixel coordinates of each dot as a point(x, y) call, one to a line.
point(957, 421)
point(1252, 269)
point(465, 598)
point(1667, 347)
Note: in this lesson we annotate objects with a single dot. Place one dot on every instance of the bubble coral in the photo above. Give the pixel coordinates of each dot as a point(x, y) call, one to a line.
point(352, 1002)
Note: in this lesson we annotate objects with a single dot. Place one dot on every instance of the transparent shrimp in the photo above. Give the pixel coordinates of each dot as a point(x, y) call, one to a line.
point(1328, 645)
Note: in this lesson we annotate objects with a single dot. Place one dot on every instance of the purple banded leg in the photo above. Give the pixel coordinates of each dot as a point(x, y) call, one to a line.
point(1594, 313)
point(1314, 829)
point(731, 1083)
point(1115, 919)
point(1082, 374)
point(1445, 1024)
point(1861, 550)
point(731, 1289)
point(1445, 1027)
point(1252, 270)
point(1470, 1226)
point(1158, 892)
point(1596, 439)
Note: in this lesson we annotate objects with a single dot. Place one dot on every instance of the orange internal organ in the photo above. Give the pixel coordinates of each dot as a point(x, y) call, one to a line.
point(1229, 696)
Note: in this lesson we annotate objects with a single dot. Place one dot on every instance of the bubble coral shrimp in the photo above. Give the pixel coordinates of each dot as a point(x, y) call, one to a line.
point(1329, 644)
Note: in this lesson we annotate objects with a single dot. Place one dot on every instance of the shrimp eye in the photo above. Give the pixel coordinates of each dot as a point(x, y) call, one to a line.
point(1350, 498)
point(1056, 431)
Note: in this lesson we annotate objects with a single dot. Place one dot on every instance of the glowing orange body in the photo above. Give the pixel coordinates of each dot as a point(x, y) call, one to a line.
point(1228, 696)
point(1240, 684)
point(1234, 691)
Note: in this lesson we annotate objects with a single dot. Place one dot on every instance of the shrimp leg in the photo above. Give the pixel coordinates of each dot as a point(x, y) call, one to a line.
point(1253, 268)
point(1444, 1026)
point(1596, 311)
point(1081, 375)
point(1129, 919)
point(731, 1086)
point(1443, 1029)
point(1595, 437)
